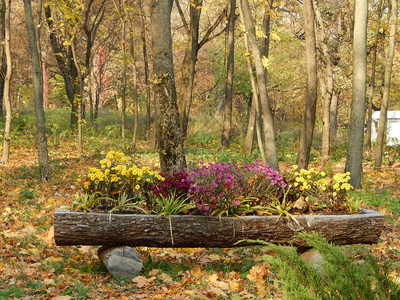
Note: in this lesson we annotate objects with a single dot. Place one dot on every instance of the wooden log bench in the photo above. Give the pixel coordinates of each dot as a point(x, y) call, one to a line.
point(184, 231)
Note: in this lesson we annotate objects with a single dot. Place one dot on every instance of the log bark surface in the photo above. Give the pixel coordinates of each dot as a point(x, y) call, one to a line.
point(79, 228)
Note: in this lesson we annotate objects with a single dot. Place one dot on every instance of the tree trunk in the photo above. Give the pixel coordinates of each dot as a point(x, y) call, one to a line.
point(356, 133)
point(79, 228)
point(124, 78)
point(255, 113)
point(7, 79)
point(189, 64)
point(170, 142)
point(78, 100)
point(135, 96)
point(3, 67)
point(380, 140)
point(41, 139)
point(333, 117)
point(66, 66)
point(372, 82)
point(227, 123)
point(311, 101)
point(327, 77)
point(146, 71)
point(268, 124)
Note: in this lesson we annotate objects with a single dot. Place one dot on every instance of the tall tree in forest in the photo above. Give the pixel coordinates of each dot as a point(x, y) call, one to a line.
point(146, 69)
point(326, 83)
point(63, 55)
point(268, 123)
point(7, 79)
point(135, 97)
point(120, 8)
point(88, 19)
point(227, 122)
point(190, 58)
point(357, 116)
point(311, 101)
point(254, 125)
point(3, 63)
point(380, 140)
point(170, 141)
point(255, 112)
point(372, 80)
point(41, 139)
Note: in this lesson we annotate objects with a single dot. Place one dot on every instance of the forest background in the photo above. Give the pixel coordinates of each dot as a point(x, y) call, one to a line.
point(111, 83)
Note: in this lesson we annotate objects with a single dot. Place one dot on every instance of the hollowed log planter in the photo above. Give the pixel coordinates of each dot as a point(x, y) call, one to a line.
point(79, 228)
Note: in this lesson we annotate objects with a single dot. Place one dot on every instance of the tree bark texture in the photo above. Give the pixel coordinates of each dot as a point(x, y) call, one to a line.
point(134, 92)
point(255, 111)
point(268, 123)
point(79, 228)
point(333, 117)
point(7, 81)
point(189, 64)
point(380, 139)
point(3, 67)
point(124, 76)
point(311, 101)
point(146, 70)
point(372, 80)
point(227, 122)
point(357, 116)
point(327, 78)
point(41, 139)
point(170, 141)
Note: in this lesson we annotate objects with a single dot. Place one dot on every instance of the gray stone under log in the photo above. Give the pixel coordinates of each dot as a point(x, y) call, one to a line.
point(79, 228)
point(122, 260)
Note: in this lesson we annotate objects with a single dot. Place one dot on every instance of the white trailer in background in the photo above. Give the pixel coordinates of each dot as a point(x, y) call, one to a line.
point(392, 130)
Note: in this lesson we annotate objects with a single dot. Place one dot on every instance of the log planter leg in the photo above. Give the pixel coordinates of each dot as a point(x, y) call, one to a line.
point(121, 260)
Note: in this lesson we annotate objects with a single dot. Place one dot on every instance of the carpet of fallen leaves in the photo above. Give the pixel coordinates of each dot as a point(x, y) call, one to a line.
point(33, 267)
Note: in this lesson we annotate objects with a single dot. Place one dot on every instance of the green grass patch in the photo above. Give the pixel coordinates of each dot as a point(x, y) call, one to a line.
point(384, 198)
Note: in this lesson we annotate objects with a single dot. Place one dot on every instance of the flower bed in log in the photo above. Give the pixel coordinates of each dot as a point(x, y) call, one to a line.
point(211, 205)
point(81, 228)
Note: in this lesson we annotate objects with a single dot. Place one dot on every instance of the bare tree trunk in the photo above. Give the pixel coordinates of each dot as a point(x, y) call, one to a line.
point(255, 113)
point(327, 77)
point(311, 102)
point(372, 82)
point(190, 59)
point(248, 147)
point(135, 97)
point(124, 77)
point(3, 68)
point(356, 133)
point(146, 71)
point(170, 142)
point(189, 64)
point(268, 124)
point(90, 91)
point(7, 79)
point(227, 123)
point(78, 100)
point(41, 142)
point(380, 140)
point(333, 117)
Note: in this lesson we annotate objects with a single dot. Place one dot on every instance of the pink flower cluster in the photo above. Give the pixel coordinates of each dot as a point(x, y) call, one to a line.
point(215, 187)
point(275, 179)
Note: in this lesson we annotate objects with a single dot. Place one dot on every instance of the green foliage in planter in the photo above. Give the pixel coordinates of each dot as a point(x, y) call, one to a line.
point(212, 189)
point(336, 277)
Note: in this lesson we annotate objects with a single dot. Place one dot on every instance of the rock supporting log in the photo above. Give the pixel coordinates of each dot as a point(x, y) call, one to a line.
point(122, 260)
point(79, 228)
